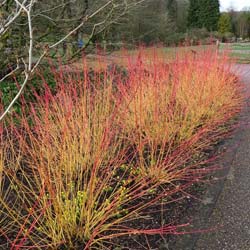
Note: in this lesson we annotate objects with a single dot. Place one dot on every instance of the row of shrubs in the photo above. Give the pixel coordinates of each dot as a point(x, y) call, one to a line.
point(84, 160)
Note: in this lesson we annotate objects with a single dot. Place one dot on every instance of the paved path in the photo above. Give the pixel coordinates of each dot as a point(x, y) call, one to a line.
point(231, 212)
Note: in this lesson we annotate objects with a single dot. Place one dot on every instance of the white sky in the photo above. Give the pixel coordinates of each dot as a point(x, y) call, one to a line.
point(236, 4)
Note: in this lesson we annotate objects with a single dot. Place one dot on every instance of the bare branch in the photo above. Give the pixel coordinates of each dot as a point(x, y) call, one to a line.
point(3, 3)
point(81, 24)
point(27, 7)
point(16, 97)
point(22, 6)
point(11, 73)
point(10, 20)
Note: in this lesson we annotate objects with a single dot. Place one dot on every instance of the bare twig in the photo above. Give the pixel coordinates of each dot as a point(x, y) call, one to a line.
point(11, 73)
point(7, 110)
point(26, 7)
point(81, 24)
point(11, 19)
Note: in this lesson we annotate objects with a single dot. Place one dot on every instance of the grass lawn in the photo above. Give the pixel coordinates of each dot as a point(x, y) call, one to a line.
point(124, 57)
point(236, 46)
point(239, 51)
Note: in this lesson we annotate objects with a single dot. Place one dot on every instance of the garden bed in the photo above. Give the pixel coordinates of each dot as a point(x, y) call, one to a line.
point(113, 154)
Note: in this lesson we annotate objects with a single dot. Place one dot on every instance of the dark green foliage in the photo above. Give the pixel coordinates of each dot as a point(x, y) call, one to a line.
point(204, 14)
point(9, 87)
point(194, 14)
point(210, 14)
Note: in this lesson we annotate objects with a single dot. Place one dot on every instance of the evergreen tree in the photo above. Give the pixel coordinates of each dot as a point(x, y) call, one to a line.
point(204, 14)
point(193, 14)
point(209, 14)
point(224, 24)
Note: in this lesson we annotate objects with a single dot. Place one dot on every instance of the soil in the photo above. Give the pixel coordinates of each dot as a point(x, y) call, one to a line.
point(198, 199)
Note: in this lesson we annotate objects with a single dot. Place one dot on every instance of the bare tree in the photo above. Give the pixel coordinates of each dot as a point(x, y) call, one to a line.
point(33, 29)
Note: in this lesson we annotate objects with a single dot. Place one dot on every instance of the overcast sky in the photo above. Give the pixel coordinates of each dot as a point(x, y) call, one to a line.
point(236, 4)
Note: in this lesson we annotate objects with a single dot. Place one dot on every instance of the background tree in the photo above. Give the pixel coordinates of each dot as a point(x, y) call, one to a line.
point(172, 9)
point(240, 22)
point(154, 21)
point(225, 27)
point(182, 15)
point(243, 24)
point(204, 14)
point(209, 14)
point(233, 17)
point(225, 23)
point(193, 19)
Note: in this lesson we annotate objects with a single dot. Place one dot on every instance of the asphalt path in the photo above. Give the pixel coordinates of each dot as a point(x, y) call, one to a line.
point(230, 215)
point(221, 221)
